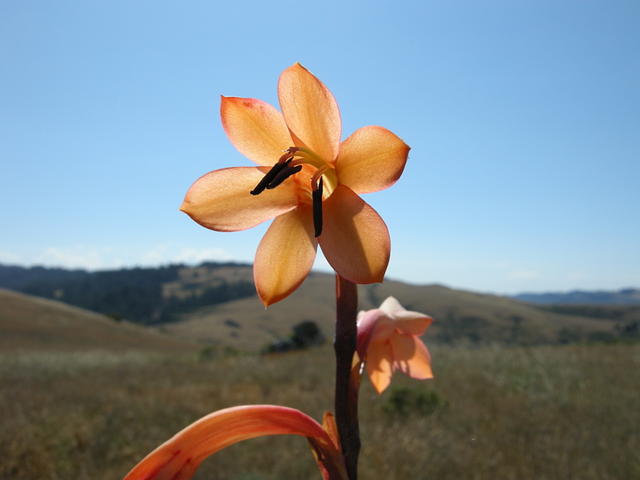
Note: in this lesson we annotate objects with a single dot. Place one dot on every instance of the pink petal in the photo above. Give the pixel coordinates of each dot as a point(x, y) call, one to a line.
point(367, 322)
point(391, 306)
point(413, 323)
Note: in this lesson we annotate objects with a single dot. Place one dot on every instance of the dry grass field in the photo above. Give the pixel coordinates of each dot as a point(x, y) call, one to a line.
point(565, 412)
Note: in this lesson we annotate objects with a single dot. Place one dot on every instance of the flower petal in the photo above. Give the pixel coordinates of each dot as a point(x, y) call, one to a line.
point(373, 326)
point(379, 368)
point(367, 321)
point(311, 111)
point(385, 328)
point(411, 357)
point(329, 426)
point(220, 200)
point(179, 457)
point(354, 239)
point(414, 323)
point(391, 306)
point(255, 128)
point(371, 159)
point(285, 255)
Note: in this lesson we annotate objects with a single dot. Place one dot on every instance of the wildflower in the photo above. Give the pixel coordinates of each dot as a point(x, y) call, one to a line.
point(307, 180)
point(179, 457)
point(389, 340)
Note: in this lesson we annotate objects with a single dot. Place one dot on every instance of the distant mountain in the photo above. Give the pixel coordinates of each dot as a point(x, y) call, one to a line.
point(627, 296)
point(15, 277)
point(140, 295)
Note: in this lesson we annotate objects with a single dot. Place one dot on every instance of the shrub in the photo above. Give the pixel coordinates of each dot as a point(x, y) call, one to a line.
point(406, 401)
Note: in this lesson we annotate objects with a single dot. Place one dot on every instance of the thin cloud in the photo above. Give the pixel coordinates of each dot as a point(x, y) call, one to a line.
point(100, 258)
point(79, 256)
point(9, 257)
point(523, 275)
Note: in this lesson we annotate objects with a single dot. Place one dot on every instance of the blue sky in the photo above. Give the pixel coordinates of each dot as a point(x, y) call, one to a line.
point(523, 118)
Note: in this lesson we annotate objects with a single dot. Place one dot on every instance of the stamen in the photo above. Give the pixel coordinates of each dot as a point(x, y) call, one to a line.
point(283, 174)
point(270, 175)
point(289, 152)
point(316, 196)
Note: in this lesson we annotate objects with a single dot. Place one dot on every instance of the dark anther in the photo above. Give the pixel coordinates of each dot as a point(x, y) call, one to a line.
point(316, 195)
point(283, 174)
point(270, 175)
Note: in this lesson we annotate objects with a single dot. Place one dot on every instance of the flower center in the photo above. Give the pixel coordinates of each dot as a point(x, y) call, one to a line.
point(289, 164)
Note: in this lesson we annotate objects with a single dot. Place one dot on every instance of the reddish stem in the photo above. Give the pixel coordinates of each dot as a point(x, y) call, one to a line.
point(346, 394)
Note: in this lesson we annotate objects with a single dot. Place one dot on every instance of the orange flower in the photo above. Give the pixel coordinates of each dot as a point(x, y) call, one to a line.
point(389, 340)
point(179, 457)
point(307, 180)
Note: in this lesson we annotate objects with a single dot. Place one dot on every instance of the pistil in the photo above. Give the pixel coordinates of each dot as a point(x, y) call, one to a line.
point(316, 196)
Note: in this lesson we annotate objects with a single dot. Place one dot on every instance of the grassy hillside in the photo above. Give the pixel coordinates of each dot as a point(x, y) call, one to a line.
point(216, 304)
point(551, 413)
point(30, 323)
point(461, 317)
point(482, 318)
